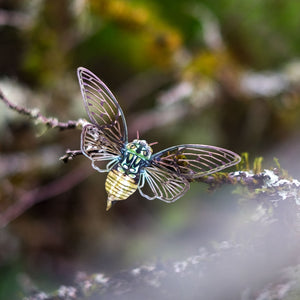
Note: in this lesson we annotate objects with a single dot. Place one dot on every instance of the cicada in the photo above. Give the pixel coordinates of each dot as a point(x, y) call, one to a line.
point(131, 166)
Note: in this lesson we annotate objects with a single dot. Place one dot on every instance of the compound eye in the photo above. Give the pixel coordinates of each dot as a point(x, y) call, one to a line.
point(145, 152)
point(132, 146)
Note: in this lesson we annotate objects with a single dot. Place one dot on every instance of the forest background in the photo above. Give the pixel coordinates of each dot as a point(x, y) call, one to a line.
point(224, 73)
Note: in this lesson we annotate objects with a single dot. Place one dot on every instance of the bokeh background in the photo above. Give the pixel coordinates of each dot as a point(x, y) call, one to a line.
point(224, 73)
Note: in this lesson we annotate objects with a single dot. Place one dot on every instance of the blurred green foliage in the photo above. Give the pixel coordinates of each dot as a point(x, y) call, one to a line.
point(198, 53)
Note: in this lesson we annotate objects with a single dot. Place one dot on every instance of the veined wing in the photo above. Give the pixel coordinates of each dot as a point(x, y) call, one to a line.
point(97, 147)
point(160, 183)
point(102, 106)
point(192, 161)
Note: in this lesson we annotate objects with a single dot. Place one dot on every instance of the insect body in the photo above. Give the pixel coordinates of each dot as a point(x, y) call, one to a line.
point(123, 179)
point(164, 175)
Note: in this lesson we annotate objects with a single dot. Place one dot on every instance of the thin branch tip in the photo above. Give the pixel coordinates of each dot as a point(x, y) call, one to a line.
point(69, 155)
point(36, 115)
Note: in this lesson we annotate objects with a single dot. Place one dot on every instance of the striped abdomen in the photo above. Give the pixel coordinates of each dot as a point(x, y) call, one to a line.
point(119, 186)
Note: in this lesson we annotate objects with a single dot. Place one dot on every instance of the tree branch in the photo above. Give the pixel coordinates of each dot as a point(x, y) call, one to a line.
point(245, 178)
point(70, 154)
point(39, 118)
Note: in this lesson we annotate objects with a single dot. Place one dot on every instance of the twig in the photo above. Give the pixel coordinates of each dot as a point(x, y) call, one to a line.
point(70, 154)
point(30, 198)
point(36, 115)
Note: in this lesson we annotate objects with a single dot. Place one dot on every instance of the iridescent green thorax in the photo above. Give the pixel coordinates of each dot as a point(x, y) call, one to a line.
point(139, 148)
point(136, 154)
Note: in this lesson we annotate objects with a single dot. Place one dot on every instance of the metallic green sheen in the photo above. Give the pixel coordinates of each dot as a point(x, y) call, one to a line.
point(135, 157)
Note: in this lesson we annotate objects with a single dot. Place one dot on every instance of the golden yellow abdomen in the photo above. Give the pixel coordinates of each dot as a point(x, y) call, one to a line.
point(119, 186)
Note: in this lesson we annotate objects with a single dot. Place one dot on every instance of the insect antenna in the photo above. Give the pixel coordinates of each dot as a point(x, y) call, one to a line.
point(137, 135)
point(154, 143)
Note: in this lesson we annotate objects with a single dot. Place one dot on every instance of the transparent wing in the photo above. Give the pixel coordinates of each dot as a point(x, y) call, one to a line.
point(192, 161)
point(160, 183)
point(102, 106)
point(96, 146)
